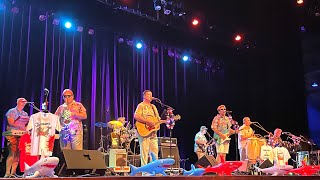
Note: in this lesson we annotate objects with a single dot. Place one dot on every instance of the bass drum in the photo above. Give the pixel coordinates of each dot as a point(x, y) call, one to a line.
point(302, 156)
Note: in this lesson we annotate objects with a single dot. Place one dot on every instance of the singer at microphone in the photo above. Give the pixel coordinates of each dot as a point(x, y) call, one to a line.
point(245, 132)
point(155, 99)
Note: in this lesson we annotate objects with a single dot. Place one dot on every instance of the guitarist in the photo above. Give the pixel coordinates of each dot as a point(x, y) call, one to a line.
point(221, 125)
point(145, 110)
point(200, 141)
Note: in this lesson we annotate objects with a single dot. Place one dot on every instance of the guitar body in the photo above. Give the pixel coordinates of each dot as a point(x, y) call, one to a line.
point(144, 130)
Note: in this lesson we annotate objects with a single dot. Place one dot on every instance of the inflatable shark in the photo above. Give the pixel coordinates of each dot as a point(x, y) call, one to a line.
point(42, 168)
point(194, 171)
point(276, 170)
point(154, 167)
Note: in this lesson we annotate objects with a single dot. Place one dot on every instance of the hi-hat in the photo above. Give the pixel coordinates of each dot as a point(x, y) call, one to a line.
point(115, 124)
point(100, 124)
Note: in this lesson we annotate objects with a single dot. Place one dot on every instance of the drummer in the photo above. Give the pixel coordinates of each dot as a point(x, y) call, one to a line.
point(245, 132)
point(118, 128)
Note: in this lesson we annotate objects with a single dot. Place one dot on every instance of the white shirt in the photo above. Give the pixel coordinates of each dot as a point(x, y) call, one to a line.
point(244, 131)
point(281, 155)
point(266, 153)
point(43, 127)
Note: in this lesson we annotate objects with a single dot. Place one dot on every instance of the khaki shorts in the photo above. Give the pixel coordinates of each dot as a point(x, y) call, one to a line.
point(222, 148)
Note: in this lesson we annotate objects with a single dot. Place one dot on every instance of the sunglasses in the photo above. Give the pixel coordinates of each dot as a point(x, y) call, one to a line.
point(222, 109)
point(67, 96)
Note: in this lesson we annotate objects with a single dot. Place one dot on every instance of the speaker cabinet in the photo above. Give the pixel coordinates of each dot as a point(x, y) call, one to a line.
point(206, 161)
point(80, 162)
point(165, 153)
point(134, 160)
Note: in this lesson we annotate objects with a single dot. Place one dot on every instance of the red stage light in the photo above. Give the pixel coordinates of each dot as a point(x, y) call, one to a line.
point(195, 22)
point(238, 37)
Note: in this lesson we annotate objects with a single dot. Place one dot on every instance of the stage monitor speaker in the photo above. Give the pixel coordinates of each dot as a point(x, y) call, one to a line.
point(206, 161)
point(80, 162)
point(165, 153)
point(267, 163)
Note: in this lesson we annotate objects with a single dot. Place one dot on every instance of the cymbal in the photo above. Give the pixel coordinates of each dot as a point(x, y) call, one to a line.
point(114, 124)
point(100, 124)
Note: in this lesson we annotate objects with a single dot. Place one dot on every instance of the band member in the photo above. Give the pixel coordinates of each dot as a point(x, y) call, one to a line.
point(145, 110)
point(221, 125)
point(118, 133)
point(275, 139)
point(71, 114)
point(17, 120)
point(200, 142)
point(245, 132)
point(281, 154)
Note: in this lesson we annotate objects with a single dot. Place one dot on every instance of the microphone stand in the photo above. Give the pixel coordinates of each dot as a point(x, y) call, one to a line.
point(170, 126)
point(235, 124)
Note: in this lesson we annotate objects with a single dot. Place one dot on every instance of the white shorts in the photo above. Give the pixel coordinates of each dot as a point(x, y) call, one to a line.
point(222, 148)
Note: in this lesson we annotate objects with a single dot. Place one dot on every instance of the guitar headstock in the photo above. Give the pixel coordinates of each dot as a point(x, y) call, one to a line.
point(177, 117)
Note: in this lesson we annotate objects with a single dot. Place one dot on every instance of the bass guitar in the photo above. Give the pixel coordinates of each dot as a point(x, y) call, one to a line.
point(144, 130)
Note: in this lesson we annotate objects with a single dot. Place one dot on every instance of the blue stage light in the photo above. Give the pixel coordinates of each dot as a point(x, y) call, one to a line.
point(67, 25)
point(139, 45)
point(185, 58)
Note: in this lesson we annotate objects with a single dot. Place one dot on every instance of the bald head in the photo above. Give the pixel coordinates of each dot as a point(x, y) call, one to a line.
point(68, 96)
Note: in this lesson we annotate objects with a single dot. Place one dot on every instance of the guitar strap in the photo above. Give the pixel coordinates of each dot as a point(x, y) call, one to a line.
point(154, 111)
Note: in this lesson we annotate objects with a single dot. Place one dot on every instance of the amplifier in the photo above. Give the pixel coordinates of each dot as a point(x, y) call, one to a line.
point(118, 159)
point(165, 141)
point(314, 157)
point(165, 153)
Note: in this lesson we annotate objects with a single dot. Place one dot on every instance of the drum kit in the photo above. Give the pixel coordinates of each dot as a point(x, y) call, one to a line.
point(120, 137)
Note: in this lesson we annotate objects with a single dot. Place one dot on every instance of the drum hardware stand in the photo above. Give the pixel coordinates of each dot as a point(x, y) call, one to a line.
point(102, 138)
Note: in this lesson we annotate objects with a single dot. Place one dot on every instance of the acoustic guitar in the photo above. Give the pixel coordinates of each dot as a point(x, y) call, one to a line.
point(144, 130)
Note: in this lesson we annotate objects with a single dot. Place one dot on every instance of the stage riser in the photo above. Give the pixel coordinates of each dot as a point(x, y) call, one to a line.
point(196, 178)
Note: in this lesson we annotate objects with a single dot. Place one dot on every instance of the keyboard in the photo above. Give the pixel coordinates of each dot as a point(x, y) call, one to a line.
point(14, 132)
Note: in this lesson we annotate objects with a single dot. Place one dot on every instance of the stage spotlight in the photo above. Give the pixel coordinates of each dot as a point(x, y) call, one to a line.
point(157, 5)
point(79, 28)
point(238, 37)
point(42, 17)
point(120, 40)
point(90, 31)
point(15, 10)
point(167, 8)
point(67, 25)
point(195, 22)
point(139, 45)
point(314, 85)
point(56, 22)
point(170, 53)
point(299, 2)
point(185, 58)
point(303, 29)
point(155, 50)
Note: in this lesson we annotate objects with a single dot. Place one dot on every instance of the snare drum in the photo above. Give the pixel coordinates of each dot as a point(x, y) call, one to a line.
point(302, 156)
point(253, 148)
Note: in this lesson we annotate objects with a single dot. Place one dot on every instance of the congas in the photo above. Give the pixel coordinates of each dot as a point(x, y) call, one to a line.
point(302, 156)
point(253, 148)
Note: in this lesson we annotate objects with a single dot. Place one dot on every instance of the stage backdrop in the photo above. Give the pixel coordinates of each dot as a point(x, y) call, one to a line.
point(108, 77)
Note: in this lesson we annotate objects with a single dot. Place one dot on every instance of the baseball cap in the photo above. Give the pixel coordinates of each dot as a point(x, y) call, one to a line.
point(203, 127)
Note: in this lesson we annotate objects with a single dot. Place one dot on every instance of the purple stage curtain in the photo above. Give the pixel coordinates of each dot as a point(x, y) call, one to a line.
point(108, 77)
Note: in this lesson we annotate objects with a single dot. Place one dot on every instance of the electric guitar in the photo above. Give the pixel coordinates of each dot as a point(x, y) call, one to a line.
point(203, 147)
point(144, 130)
point(221, 141)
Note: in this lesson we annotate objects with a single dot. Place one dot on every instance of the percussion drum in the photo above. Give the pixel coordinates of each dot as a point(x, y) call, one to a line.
point(253, 148)
point(302, 156)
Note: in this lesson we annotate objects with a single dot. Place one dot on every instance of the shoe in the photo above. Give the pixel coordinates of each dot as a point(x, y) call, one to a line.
point(7, 176)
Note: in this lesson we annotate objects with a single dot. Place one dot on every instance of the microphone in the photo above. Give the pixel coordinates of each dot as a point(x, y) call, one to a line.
point(155, 99)
point(286, 133)
point(29, 102)
point(253, 122)
point(228, 111)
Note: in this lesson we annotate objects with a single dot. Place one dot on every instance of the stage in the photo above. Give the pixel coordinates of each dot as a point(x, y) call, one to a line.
point(189, 178)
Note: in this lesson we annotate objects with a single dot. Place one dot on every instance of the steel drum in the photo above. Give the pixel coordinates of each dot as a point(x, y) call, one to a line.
point(302, 156)
point(253, 148)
